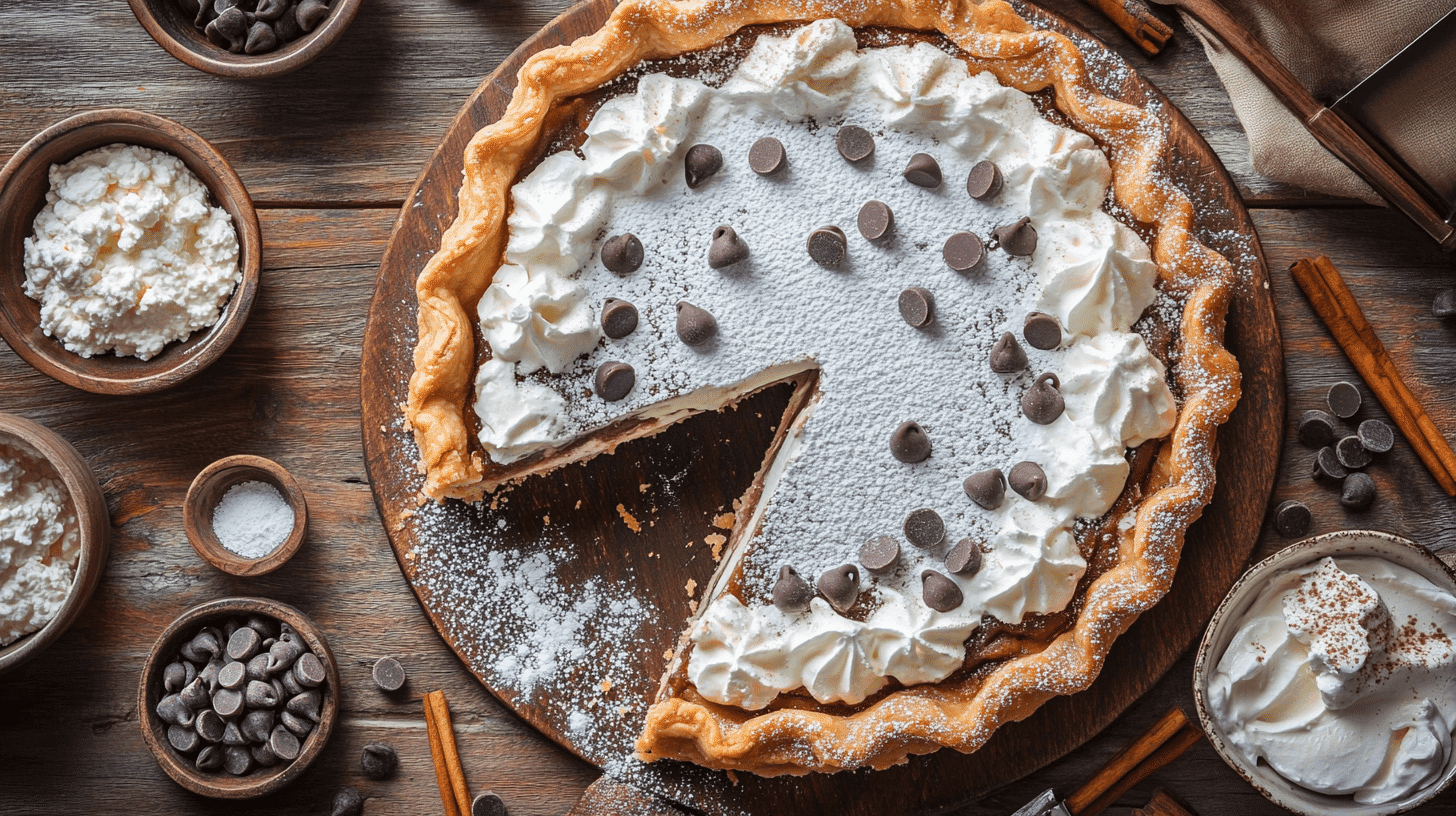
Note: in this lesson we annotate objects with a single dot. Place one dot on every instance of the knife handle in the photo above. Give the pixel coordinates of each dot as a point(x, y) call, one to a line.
point(1340, 139)
point(1145, 30)
point(1328, 128)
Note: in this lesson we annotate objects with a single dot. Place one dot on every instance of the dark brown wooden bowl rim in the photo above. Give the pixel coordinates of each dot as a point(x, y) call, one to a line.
point(19, 315)
point(211, 483)
point(223, 785)
point(93, 524)
point(175, 33)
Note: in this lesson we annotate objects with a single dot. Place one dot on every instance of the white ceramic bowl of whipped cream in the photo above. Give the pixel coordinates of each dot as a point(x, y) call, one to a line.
point(1327, 677)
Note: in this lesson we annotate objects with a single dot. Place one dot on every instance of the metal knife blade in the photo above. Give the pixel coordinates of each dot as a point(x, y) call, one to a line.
point(1409, 106)
point(1046, 803)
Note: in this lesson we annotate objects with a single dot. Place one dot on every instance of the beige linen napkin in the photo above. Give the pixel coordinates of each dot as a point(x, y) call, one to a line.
point(1329, 45)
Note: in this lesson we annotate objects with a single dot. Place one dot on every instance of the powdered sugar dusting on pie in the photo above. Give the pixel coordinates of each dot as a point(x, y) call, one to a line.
point(836, 483)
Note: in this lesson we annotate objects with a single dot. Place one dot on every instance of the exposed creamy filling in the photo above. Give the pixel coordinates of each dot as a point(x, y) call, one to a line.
point(1341, 678)
point(836, 485)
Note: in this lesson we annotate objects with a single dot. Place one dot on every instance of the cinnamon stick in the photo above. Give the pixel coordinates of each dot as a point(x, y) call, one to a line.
point(1127, 759)
point(1146, 31)
point(1341, 314)
point(1167, 752)
point(442, 773)
point(437, 718)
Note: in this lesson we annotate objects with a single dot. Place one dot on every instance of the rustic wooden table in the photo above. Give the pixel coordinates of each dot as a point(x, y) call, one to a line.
point(329, 153)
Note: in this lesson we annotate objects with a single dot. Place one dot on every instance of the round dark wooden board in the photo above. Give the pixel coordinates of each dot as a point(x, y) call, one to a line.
point(724, 450)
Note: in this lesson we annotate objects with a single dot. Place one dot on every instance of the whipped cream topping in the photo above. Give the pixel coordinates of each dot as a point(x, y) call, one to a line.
point(1341, 678)
point(836, 486)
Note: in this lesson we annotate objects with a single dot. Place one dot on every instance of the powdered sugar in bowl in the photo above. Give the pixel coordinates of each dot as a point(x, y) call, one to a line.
point(245, 515)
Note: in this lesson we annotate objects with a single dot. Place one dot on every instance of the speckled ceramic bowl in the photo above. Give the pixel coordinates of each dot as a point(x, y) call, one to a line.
point(1225, 624)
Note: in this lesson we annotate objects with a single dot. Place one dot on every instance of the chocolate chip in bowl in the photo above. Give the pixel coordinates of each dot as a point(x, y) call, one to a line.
point(37, 252)
point(271, 731)
point(246, 39)
point(50, 491)
point(1368, 618)
point(245, 515)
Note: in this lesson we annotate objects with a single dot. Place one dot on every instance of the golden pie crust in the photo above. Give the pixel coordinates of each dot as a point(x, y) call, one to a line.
point(962, 712)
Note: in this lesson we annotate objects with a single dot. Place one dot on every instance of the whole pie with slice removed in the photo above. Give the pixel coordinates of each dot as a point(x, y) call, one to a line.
point(1005, 344)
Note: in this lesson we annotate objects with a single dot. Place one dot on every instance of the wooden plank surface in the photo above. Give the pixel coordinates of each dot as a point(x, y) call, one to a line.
point(330, 152)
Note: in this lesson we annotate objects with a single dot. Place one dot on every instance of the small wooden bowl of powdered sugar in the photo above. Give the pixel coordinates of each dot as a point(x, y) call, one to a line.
point(245, 515)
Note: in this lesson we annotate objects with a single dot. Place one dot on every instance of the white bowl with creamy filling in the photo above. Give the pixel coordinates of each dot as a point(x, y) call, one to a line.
point(1327, 677)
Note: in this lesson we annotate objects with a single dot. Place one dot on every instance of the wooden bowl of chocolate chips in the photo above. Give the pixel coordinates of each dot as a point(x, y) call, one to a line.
point(238, 697)
point(246, 39)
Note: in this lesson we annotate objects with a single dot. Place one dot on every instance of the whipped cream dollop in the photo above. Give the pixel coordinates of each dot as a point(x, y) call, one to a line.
point(1342, 677)
point(835, 486)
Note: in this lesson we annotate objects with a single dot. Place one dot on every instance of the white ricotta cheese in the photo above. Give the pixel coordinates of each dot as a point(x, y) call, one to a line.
point(39, 542)
point(127, 255)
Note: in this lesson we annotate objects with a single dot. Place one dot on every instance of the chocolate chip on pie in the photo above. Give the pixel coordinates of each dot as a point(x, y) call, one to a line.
point(917, 306)
point(701, 163)
point(987, 488)
point(695, 325)
point(622, 253)
point(840, 587)
point(614, 380)
point(855, 143)
point(1043, 403)
point(924, 528)
point(879, 553)
point(619, 319)
point(791, 593)
point(767, 156)
point(984, 181)
point(1007, 356)
point(923, 171)
point(940, 593)
point(909, 443)
point(827, 245)
point(727, 248)
point(876, 221)
point(964, 558)
point(1028, 480)
point(1017, 238)
point(1042, 331)
point(963, 251)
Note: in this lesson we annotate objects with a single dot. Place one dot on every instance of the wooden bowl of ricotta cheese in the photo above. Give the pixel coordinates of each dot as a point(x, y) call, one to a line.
point(25, 183)
point(48, 458)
